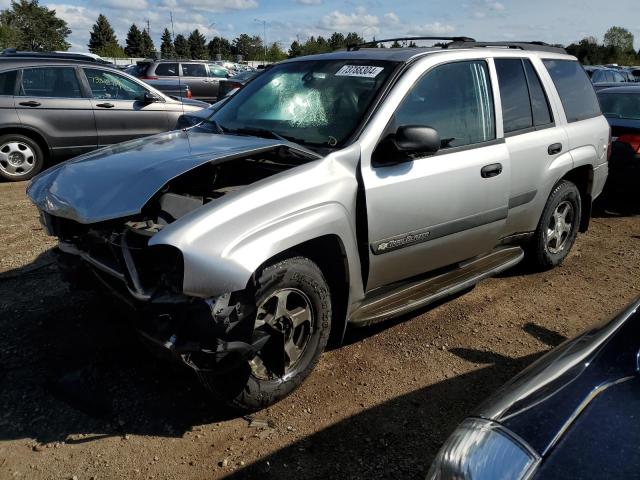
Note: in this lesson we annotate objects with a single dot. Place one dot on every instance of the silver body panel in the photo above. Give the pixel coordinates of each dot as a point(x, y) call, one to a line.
point(226, 240)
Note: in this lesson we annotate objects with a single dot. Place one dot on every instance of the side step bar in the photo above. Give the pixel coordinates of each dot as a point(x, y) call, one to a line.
point(415, 294)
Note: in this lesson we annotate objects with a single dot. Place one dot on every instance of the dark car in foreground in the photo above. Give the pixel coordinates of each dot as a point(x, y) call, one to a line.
point(621, 107)
point(53, 108)
point(571, 414)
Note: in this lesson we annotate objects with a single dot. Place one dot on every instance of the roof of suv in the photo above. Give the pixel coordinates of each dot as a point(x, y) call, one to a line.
point(406, 54)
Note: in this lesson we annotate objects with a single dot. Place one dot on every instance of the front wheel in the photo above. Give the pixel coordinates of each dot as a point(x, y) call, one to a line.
point(293, 309)
point(558, 226)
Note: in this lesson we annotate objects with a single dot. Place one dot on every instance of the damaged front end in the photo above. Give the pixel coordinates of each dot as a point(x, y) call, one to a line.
point(209, 335)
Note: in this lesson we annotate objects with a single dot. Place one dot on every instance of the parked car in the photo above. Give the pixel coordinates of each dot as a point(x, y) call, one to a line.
point(635, 71)
point(605, 75)
point(621, 107)
point(341, 188)
point(52, 109)
point(202, 76)
point(237, 81)
point(173, 88)
point(571, 414)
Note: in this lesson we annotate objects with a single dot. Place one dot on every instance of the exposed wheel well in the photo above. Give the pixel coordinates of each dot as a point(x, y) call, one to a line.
point(35, 136)
point(582, 177)
point(329, 254)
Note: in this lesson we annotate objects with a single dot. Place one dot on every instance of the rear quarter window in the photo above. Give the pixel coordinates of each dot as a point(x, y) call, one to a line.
point(574, 88)
point(7, 83)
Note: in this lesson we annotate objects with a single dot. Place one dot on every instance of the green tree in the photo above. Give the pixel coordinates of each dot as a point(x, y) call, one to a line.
point(102, 37)
point(181, 46)
point(251, 48)
point(275, 53)
point(219, 46)
point(146, 44)
point(353, 38)
point(396, 44)
point(295, 50)
point(28, 26)
point(197, 45)
point(336, 41)
point(619, 38)
point(166, 45)
point(134, 46)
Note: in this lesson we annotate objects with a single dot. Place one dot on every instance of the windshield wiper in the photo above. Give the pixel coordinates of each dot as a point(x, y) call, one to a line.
point(257, 132)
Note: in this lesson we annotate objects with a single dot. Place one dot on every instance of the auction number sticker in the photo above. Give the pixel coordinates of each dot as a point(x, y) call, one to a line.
point(359, 71)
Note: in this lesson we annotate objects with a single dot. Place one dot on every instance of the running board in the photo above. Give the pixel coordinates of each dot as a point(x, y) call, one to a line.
point(415, 294)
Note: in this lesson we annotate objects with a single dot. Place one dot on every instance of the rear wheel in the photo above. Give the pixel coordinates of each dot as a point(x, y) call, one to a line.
point(558, 226)
point(20, 157)
point(293, 309)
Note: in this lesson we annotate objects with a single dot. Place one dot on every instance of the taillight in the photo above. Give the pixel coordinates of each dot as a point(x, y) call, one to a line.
point(632, 140)
point(149, 77)
point(189, 94)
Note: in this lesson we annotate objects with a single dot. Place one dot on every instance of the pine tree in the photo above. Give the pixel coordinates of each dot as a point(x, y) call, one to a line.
point(197, 45)
point(181, 46)
point(295, 50)
point(219, 46)
point(134, 42)
point(102, 37)
point(147, 46)
point(166, 46)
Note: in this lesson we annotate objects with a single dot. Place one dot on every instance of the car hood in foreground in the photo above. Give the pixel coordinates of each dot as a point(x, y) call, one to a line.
point(118, 181)
point(546, 399)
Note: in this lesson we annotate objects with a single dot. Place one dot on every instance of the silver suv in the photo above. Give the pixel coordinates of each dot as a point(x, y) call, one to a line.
point(342, 188)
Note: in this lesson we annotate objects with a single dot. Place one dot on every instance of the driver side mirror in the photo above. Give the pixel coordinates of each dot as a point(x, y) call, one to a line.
point(408, 141)
point(417, 139)
point(149, 97)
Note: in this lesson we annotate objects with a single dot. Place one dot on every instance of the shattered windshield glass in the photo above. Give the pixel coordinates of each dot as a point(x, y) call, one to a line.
point(317, 103)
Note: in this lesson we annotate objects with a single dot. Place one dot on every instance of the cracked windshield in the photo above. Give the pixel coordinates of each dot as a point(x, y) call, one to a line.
point(318, 103)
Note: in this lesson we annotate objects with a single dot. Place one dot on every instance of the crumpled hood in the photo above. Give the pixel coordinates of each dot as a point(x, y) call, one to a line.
point(118, 181)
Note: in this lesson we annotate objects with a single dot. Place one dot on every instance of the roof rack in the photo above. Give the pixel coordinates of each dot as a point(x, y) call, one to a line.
point(12, 52)
point(357, 46)
point(467, 42)
point(532, 46)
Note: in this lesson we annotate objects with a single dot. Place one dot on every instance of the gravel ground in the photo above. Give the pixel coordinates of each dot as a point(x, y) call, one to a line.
point(80, 398)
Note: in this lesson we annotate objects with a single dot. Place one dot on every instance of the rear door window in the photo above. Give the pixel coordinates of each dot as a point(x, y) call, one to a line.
point(167, 69)
point(516, 107)
point(8, 83)
point(574, 88)
point(455, 99)
point(57, 82)
point(194, 70)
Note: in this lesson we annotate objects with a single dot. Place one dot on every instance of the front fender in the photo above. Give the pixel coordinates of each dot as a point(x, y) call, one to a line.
point(208, 272)
point(225, 242)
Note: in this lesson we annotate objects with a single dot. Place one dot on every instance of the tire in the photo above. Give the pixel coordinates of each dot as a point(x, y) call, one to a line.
point(21, 158)
point(553, 239)
point(254, 386)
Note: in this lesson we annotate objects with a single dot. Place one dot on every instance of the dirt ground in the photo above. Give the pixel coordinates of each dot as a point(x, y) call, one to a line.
point(80, 398)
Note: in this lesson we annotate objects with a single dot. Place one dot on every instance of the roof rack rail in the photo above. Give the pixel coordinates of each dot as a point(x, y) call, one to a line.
point(13, 53)
point(533, 46)
point(357, 46)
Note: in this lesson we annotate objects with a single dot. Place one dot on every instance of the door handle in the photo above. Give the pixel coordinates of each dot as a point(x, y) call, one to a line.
point(105, 105)
point(492, 170)
point(554, 149)
point(30, 103)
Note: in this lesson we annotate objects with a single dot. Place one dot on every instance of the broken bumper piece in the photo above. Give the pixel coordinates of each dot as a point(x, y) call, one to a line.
point(207, 335)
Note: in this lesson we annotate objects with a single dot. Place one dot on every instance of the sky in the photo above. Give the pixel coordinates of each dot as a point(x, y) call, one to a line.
point(559, 21)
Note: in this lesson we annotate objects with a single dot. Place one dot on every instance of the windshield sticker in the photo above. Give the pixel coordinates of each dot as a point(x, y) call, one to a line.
point(359, 71)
